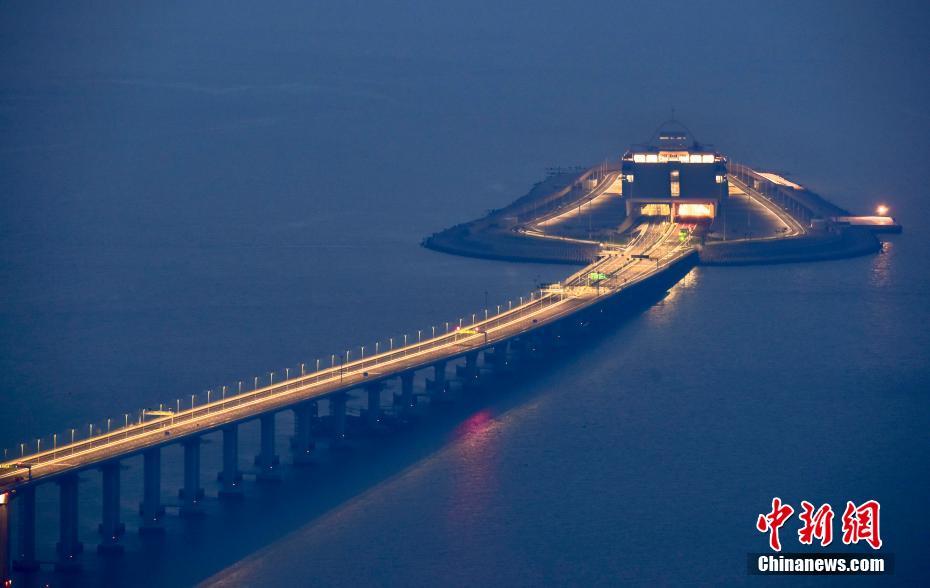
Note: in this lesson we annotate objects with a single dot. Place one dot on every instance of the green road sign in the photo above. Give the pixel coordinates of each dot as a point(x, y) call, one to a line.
point(597, 276)
point(682, 235)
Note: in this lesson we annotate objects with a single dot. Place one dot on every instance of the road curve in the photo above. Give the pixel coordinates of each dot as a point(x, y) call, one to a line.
point(656, 247)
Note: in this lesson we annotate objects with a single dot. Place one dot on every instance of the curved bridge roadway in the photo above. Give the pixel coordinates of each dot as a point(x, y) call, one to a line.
point(656, 246)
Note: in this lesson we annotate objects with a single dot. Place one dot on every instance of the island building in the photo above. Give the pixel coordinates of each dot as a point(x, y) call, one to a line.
point(674, 176)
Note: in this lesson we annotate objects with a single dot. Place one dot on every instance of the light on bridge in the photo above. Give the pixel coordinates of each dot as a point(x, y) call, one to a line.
point(882, 210)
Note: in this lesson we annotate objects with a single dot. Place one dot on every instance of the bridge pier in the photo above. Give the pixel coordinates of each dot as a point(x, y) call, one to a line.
point(266, 460)
point(337, 411)
point(373, 414)
point(151, 509)
point(191, 494)
point(26, 530)
point(438, 384)
point(406, 392)
point(469, 372)
point(302, 443)
point(230, 476)
point(69, 547)
point(111, 529)
point(498, 355)
point(5, 563)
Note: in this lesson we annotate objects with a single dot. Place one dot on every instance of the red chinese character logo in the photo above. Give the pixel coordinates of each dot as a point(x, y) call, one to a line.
point(773, 521)
point(817, 525)
point(861, 524)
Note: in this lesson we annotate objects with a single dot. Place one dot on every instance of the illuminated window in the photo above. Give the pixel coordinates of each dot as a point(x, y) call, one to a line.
point(696, 158)
point(675, 184)
point(707, 158)
point(639, 158)
point(720, 179)
point(652, 158)
point(628, 178)
point(696, 210)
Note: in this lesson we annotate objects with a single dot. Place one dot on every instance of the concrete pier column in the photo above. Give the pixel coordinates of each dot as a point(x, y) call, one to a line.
point(191, 494)
point(68, 545)
point(406, 392)
point(439, 374)
point(26, 530)
point(437, 384)
point(374, 403)
point(230, 477)
point(302, 443)
point(151, 509)
point(6, 568)
point(337, 411)
point(499, 355)
point(469, 372)
point(267, 461)
point(111, 529)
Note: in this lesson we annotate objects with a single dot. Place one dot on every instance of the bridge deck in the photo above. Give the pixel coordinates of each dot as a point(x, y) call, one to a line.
point(658, 246)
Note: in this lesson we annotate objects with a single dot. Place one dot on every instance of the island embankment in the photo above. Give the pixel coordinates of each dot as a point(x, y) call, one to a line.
point(815, 234)
point(499, 235)
point(529, 229)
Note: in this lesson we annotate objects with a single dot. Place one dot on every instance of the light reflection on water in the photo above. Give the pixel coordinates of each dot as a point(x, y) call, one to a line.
point(477, 445)
point(881, 267)
point(664, 311)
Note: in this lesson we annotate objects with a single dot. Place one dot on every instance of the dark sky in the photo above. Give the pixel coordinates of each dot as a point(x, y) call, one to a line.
point(809, 86)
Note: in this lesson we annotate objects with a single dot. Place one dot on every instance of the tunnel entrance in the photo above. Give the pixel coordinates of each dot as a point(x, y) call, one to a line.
point(663, 210)
point(695, 211)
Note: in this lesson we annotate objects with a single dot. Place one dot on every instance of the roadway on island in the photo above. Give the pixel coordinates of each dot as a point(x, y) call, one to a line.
point(655, 245)
point(750, 216)
point(589, 218)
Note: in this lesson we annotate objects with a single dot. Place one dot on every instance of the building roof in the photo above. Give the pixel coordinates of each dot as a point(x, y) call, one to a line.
point(672, 136)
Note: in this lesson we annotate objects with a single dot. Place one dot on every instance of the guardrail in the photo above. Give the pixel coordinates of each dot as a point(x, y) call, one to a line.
point(325, 375)
point(477, 332)
point(772, 206)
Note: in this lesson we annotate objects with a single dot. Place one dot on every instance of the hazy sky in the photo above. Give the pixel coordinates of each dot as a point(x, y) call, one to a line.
point(193, 192)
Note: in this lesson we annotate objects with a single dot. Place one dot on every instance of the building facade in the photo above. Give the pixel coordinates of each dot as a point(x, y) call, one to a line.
point(674, 176)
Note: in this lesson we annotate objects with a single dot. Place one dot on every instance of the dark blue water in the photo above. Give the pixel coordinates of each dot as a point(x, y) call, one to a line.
point(194, 194)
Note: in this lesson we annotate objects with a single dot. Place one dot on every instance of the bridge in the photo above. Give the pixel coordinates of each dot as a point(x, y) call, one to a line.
point(542, 318)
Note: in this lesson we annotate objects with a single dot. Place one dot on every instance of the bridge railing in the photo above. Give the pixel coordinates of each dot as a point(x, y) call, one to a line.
point(481, 338)
point(502, 317)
